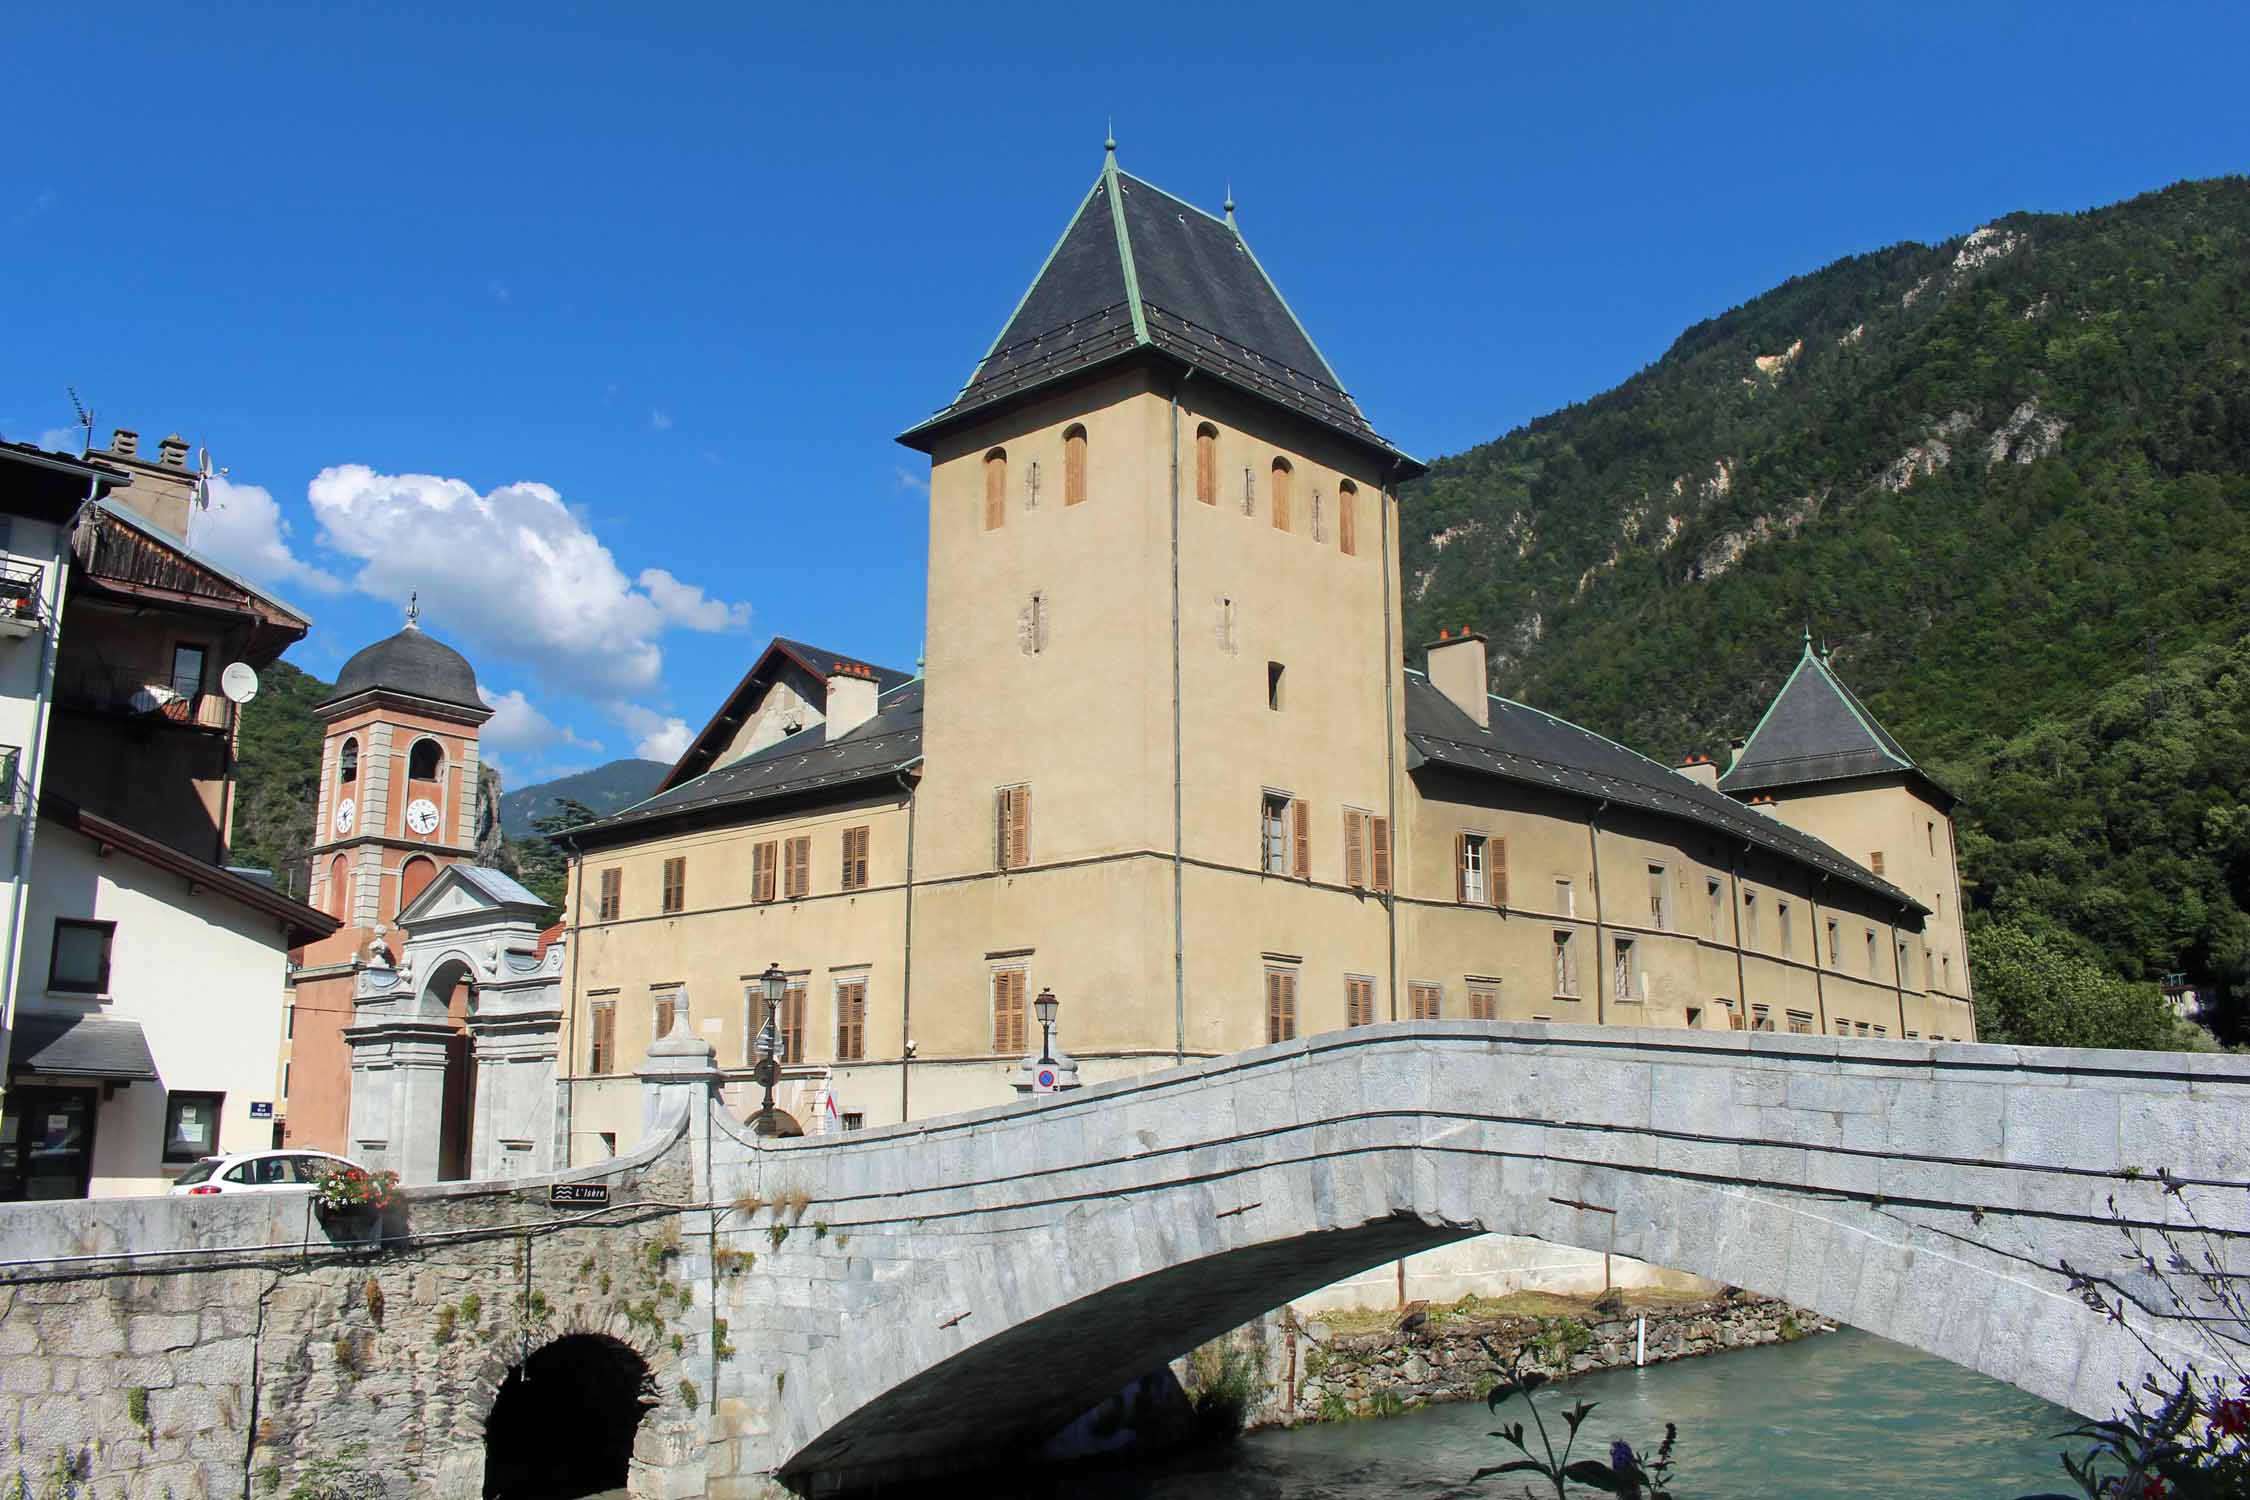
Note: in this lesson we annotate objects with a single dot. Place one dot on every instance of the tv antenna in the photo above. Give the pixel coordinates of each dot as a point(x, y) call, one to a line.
point(85, 420)
point(204, 474)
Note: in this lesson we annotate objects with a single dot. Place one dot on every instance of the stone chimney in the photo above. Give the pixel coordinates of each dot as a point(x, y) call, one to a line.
point(1734, 751)
point(1764, 803)
point(1700, 769)
point(1456, 664)
point(851, 698)
point(125, 443)
point(172, 452)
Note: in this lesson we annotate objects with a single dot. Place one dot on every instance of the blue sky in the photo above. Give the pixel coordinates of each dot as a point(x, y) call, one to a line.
point(596, 324)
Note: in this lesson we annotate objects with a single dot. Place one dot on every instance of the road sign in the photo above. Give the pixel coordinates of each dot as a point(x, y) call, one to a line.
point(1044, 1080)
point(261, 1109)
point(578, 1195)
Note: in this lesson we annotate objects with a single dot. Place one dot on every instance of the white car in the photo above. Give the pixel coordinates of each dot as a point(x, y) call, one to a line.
point(258, 1172)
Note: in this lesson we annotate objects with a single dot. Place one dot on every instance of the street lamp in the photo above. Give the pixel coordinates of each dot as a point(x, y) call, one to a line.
point(1045, 1007)
point(776, 986)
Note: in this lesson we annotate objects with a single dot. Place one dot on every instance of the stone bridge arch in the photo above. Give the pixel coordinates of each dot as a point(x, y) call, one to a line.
point(1925, 1193)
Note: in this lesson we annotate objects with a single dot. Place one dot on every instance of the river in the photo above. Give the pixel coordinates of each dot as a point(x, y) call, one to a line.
point(1840, 1415)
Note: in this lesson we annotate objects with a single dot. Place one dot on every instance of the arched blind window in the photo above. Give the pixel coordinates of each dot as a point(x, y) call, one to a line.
point(1074, 465)
point(339, 893)
point(414, 877)
point(1281, 479)
point(425, 761)
point(347, 763)
point(1207, 464)
point(995, 489)
point(1347, 518)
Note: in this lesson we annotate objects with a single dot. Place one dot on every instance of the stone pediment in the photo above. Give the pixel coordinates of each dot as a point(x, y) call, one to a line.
point(471, 892)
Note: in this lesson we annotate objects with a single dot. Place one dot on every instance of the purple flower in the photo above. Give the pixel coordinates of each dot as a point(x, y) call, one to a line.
point(1621, 1457)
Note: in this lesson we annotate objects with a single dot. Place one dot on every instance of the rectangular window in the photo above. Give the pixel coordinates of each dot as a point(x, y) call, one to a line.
point(763, 860)
point(1875, 861)
point(601, 1056)
point(1484, 1000)
point(852, 1119)
point(187, 670)
point(1008, 1032)
point(855, 858)
point(1011, 827)
point(789, 1034)
point(1566, 965)
point(1355, 848)
point(1625, 970)
point(1881, 1030)
point(1843, 1027)
point(1276, 674)
point(289, 1027)
point(1835, 946)
point(1871, 953)
point(1347, 520)
point(1468, 869)
point(1859, 1028)
point(1281, 1005)
point(796, 866)
point(1900, 971)
point(613, 894)
point(1749, 919)
point(1659, 899)
point(79, 963)
point(1761, 1018)
point(664, 1007)
point(1713, 905)
point(851, 1019)
point(1359, 1000)
point(191, 1126)
point(1565, 901)
point(1273, 833)
point(1781, 920)
point(1932, 827)
point(1426, 1002)
point(675, 883)
point(1945, 971)
point(1379, 853)
point(1800, 1022)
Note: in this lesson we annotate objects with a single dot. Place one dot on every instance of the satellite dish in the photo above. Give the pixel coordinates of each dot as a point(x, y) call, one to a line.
point(238, 682)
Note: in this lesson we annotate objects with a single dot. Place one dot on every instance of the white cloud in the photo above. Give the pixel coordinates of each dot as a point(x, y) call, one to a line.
point(660, 419)
point(63, 439)
point(659, 736)
point(514, 569)
point(244, 530)
point(517, 726)
point(909, 480)
point(689, 607)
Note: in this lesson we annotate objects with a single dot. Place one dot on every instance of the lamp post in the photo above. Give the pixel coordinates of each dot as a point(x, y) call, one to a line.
point(776, 986)
point(1045, 1007)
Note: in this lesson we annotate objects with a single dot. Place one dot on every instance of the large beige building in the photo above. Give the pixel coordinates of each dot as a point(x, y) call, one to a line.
point(1166, 759)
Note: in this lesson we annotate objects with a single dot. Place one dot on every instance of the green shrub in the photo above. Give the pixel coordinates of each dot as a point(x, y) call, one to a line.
point(1224, 1377)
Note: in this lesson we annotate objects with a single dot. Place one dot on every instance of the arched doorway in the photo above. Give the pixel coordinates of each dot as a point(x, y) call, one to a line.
point(457, 1110)
point(562, 1423)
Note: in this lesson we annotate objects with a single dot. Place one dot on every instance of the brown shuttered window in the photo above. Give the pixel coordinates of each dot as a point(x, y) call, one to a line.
point(1207, 464)
point(1281, 1005)
point(613, 886)
point(1461, 867)
point(1875, 862)
point(1496, 870)
point(1484, 1004)
point(1281, 479)
point(1074, 466)
point(763, 858)
point(1012, 827)
point(1355, 848)
point(1425, 1001)
point(995, 489)
point(855, 858)
point(851, 1020)
point(666, 1004)
point(1300, 839)
point(602, 1056)
point(1008, 1034)
point(790, 1028)
point(796, 866)
point(675, 883)
point(1379, 853)
point(1347, 518)
point(1359, 1001)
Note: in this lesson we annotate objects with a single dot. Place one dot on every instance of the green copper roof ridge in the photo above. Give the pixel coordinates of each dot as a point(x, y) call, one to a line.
point(1124, 245)
point(1875, 732)
point(1176, 198)
point(1775, 703)
point(1033, 286)
point(1305, 333)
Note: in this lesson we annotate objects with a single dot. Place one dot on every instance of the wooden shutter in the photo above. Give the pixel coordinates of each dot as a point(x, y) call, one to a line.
point(995, 489)
point(796, 876)
point(1007, 1012)
point(1016, 828)
point(1355, 848)
point(1207, 466)
point(851, 1021)
point(1425, 1001)
point(1484, 1005)
point(675, 884)
point(1281, 1006)
point(1347, 520)
point(1074, 466)
point(1359, 1001)
point(612, 884)
point(604, 1056)
point(1460, 867)
point(667, 1012)
point(1379, 852)
point(1875, 862)
point(1300, 838)
point(855, 858)
point(1496, 871)
point(761, 872)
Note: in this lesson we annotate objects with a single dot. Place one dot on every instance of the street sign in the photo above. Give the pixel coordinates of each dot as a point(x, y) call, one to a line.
point(578, 1195)
point(261, 1109)
point(1043, 1080)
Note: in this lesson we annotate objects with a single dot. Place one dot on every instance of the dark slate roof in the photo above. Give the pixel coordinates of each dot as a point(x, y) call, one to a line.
point(1138, 269)
point(805, 762)
point(713, 738)
point(822, 662)
point(413, 664)
point(1538, 749)
point(1814, 730)
point(80, 1045)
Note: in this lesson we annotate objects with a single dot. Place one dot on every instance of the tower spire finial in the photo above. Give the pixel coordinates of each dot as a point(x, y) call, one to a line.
point(1230, 200)
point(1109, 143)
point(1808, 638)
point(414, 610)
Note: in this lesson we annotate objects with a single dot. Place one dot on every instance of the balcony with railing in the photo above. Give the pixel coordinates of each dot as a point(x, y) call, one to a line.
point(15, 792)
point(141, 693)
point(22, 598)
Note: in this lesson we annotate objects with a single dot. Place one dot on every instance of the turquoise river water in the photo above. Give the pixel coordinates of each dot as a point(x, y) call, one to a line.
point(1840, 1415)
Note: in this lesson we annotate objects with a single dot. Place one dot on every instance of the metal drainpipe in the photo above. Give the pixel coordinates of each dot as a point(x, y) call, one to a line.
point(906, 960)
point(574, 888)
point(1179, 774)
point(1819, 971)
point(1741, 984)
point(1898, 978)
point(1392, 730)
point(1594, 850)
point(28, 777)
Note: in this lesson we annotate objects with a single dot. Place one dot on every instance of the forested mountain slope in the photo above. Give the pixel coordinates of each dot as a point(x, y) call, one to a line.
point(2006, 477)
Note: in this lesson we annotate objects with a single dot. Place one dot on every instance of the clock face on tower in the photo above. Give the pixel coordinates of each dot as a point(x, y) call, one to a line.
point(422, 815)
point(346, 810)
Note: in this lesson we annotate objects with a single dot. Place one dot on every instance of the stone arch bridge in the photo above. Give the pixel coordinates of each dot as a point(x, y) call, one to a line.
point(833, 1313)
